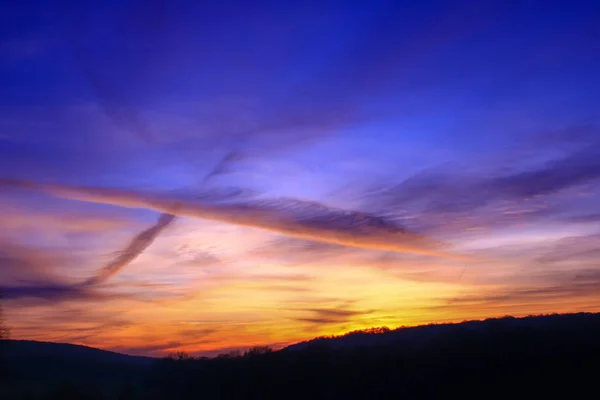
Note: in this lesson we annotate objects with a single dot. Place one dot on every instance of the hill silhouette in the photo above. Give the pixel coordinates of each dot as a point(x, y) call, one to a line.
point(418, 336)
point(517, 357)
point(31, 349)
point(39, 367)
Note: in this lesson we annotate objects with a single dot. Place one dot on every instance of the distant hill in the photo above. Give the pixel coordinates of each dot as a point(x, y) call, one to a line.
point(419, 336)
point(40, 362)
point(518, 358)
point(65, 351)
point(532, 357)
point(409, 337)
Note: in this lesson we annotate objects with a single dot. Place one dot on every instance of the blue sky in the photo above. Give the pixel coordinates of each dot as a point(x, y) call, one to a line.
point(471, 123)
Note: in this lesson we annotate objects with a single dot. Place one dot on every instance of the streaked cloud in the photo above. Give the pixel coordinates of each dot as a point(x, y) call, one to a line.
point(139, 243)
point(566, 291)
point(296, 218)
point(330, 316)
point(17, 218)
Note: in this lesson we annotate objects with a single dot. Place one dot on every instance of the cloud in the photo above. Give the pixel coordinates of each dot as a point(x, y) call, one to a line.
point(509, 188)
point(300, 251)
point(330, 316)
point(130, 79)
point(49, 288)
point(147, 350)
point(199, 259)
point(225, 165)
point(75, 322)
point(283, 288)
point(106, 66)
point(574, 169)
point(282, 278)
point(139, 243)
point(31, 273)
point(301, 219)
point(316, 256)
point(16, 218)
point(144, 239)
point(20, 263)
point(57, 292)
point(180, 339)
point(111, 69)
point(563, 289)
point(591, 218)
point(581, 285)
point(581, 249)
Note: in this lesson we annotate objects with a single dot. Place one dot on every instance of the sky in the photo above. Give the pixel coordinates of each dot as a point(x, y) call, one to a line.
point(177, 176)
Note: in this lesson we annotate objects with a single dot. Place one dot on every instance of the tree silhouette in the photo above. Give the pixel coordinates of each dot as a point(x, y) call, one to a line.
point(3, 336)
point(4, 332)
point(257, 351)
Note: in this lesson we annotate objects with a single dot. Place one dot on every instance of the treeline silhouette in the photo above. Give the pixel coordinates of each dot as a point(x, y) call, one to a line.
point(534, 357)
point(4, 335)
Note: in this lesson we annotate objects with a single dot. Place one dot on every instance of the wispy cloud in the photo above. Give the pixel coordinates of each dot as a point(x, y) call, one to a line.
point(34, 273)
point(313, 255)
point(331, 316)
point(590, 218)
point(21, 263)
point(139, 243)
point(564, 290)
point(73, 322)
point(292, 217)
point(577, 249)
point(510, 189)
point(44, 286)
point(59, 292)
point(16, 218)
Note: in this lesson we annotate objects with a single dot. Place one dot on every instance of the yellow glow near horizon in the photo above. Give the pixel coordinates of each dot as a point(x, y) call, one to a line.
point(185, 301)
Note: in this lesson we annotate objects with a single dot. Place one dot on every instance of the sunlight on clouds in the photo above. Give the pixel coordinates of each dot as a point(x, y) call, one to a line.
point(419, 144)
point(203, 286)
point(525, 236)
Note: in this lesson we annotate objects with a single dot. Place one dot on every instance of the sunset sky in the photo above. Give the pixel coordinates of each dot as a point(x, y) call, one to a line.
point(320, 167)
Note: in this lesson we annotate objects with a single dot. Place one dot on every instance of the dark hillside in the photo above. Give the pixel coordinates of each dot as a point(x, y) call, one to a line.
point(533, 357)
point(418, 336)
point(40, 366)
point(530, 357)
